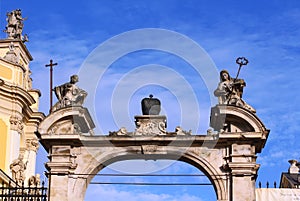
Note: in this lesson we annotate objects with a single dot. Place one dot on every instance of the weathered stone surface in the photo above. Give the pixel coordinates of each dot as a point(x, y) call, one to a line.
point(228, 118)
point(228, 158)
point(150, 125)
point(69, 120)
point(15, 25)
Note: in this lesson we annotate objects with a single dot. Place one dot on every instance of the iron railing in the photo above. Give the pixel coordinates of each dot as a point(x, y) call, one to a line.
point(22, 193)
point(267, 185)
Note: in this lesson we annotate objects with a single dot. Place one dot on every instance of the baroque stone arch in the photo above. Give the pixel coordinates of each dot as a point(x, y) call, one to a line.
point(226, 155)
point(68, 120)
point(232, 118)
point(189, 157)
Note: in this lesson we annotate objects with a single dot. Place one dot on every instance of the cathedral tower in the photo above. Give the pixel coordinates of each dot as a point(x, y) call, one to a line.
point(19, 116)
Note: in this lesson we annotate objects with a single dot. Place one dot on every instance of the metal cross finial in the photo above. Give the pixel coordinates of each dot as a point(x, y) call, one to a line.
point(242, 61)
point(51, 79)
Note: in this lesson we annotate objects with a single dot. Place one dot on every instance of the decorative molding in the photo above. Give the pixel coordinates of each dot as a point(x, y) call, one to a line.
point(200, 151)
point(150, 125)
point(16, 124)
point(65, 127)
point(180, 131)
point(11, 54)
point(32, 145)
point(121, 132)
point(148, 149)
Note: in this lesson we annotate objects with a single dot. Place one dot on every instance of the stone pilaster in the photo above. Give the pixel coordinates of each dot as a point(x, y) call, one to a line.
point(243, 170)
point(30, 152)
point(62, 163)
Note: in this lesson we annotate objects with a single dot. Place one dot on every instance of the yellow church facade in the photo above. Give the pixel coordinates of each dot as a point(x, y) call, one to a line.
point(19, 116)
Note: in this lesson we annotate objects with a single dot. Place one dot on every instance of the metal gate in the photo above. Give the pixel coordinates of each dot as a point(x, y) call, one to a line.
point(22, 193)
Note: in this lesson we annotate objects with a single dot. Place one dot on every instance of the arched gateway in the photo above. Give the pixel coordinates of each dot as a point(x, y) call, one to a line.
point(226, 154)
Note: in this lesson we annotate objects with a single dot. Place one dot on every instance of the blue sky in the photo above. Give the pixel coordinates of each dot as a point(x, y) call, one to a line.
point(266, 32)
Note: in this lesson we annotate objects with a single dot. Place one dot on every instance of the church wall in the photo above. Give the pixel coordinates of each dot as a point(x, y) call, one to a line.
point(36, 95)
point(6, 73)
point(12, 74)
point(3, 140)
point(14, 143)
point(18, 108)
point(3, 51)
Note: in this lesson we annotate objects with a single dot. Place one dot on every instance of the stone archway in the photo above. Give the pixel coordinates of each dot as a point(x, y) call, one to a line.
point(227, 155)
point(189, 157)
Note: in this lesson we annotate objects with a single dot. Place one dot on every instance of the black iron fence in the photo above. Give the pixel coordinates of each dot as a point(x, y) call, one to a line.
point(268, 185)
point(22, 193)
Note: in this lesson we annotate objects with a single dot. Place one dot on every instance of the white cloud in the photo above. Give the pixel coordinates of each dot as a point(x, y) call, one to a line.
point(112, 194)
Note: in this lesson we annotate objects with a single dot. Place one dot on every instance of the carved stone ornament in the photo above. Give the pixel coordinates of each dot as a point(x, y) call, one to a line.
point(32, 144)
point(16, 124)
point(180, 131)
point(200, 151)
point(65, 127)
point(34, 181)
point(148, 149)
point(150, 125)
point(121, 132)
point(214, 134)
point(11, 54)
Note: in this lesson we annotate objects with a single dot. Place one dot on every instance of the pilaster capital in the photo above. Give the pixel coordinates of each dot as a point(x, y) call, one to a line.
point(32, 144)
point(16, 124)
point(243, 169)
point(62, 160)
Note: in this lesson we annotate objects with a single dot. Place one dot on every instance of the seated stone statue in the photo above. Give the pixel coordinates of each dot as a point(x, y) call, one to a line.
point(230, 91)
point(69, 94)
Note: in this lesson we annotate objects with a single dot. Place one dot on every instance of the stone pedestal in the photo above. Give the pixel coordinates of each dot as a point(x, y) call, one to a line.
point(59, 133)
point(68, 120)
point(150, 125)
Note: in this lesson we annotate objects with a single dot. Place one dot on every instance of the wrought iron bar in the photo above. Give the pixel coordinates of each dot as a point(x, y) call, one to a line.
point(22, 193)
point(267, 184)
point(153, 184)
point(139, 175)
